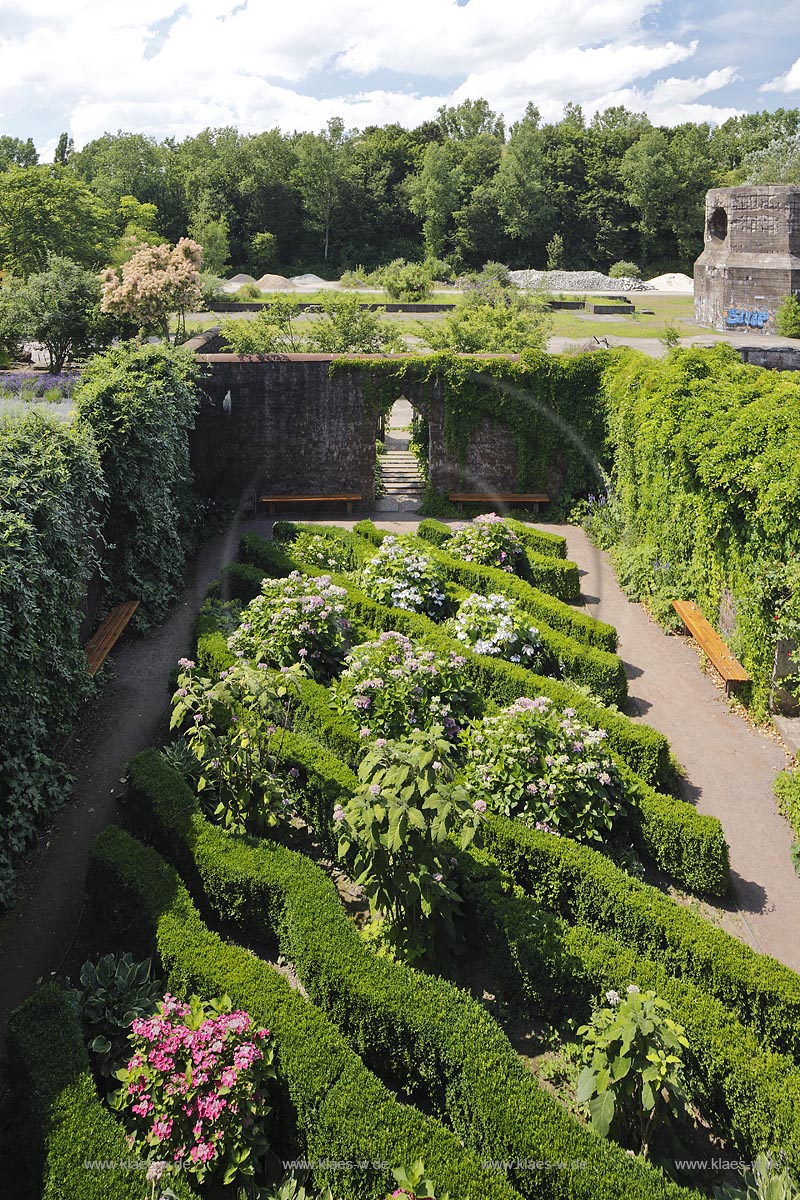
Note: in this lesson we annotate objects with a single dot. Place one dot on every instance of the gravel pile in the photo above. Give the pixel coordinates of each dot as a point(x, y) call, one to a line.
point(577, 281)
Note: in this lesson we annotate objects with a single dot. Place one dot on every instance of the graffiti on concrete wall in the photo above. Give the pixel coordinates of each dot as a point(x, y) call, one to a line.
point(752, 318)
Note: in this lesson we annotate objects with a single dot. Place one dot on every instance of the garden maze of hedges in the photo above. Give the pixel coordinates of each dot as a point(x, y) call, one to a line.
point(402, 823)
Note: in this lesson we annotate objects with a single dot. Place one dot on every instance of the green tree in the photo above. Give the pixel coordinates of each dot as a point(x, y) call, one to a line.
point(433, 197)
point(138, 229)
point(64, 150)
point(321, 159)
point(263, 256)
point(212, 233)
point(555, 253)
point(347, 328)
point(524, 200)
point(16, 153)
point(58, 307)
point(468, 120)
point(45, 210)
point(777, 162)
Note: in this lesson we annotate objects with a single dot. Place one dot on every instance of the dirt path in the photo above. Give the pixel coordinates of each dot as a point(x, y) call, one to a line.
point(729, 765)
point(125, 718)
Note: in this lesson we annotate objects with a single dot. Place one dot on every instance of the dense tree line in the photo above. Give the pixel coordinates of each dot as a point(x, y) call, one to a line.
point(460, 187)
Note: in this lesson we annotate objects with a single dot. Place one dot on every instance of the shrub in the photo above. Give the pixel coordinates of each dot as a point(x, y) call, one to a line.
point(540, 764)
point(194, 1088)
point(319, 551)
point(231, 725)
point(400, 576)
point(489, 542)
point(787, 317)
point(393, 685)
point(496, 626)
point(406, 282)
point(398, 824)
point(154, 283)
point(624, 270)
point(271, 331)
point(295, 619)
point(347, 328)
point(632, 1079)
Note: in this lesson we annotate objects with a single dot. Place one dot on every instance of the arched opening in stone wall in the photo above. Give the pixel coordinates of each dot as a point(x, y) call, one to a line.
point(718, 225)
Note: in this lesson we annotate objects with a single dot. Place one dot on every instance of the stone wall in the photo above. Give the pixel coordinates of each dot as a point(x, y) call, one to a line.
point(774, 358)
point(751, 257)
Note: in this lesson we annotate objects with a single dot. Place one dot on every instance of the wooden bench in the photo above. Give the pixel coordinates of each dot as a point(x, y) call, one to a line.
point(711, 644)
point(108, 634)
point(533, 499)
point(348, 499)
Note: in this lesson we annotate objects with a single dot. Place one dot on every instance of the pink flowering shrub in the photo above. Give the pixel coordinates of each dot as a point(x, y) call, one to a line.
point(393, 685)
point(488, 541)
point(194, 1089)
point(538, 763)
point(154, 283)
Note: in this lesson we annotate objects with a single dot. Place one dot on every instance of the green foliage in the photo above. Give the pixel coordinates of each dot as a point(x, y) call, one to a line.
point(347, 328)
point(51, 493)
point(768, 1179)
point(58, 306)
point(115, 991)
point(543, 766)
point(632, 1080)
point(488, 541)
point(231, 728)
point(320, 551)
point(624, 270)
point(272, 330)
point(787, 792)
point(408, 283)
point(495, 322)
point(496, 625)
point(555, 253)
point(398, 826)
point(413, 1183)
point(139, 401)
point(706, 479)
point(263, 253)
point(46, 210)
point(787, 317)
point(401, 576)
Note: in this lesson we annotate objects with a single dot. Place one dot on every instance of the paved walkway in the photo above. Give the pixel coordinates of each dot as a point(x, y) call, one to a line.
point(729, 766)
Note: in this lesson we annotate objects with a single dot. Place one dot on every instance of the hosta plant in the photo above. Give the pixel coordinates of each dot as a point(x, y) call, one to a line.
point(114, 992)
point(194, 1091)
point(401, 577)
point(232, 727)
point(393, 685)
point(496, 625)
point(767, 1179)
point(398, 828)
point(413, 1184)
point(489, 541)
point(632, 1081)
point(538, 763)
point(297, 619)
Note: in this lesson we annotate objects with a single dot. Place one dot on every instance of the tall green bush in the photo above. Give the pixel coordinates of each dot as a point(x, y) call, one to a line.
point(140, 402)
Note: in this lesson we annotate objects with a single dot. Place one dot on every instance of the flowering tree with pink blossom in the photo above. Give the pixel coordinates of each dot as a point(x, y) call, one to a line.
point(194, 1089)
point(154, 283)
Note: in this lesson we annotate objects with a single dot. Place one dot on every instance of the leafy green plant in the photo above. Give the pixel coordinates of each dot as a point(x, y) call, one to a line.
point(538, 763)
point(248, 291)
point(489, 541)
point(632, 1081)
point(768, 1179)
point(320, 551)
point(393, 685)
point(114, 992)
point(413, 1183)
point(496, 625)
point(670, 335)
point(624, 270)
point(296, 619)
point(400, 576)
point(231, 727)
point(492, 320)
point(787, 317)
point(271, 331)
point(599, 516)
point(406, 282)
point(555, 253)
point(398, 827)
point(347, 328)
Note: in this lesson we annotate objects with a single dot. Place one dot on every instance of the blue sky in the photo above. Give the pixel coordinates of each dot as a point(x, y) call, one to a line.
point(172, 69)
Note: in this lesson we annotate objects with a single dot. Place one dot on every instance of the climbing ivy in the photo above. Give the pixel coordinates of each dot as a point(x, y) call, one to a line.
point(706, 477)
point(547, 402)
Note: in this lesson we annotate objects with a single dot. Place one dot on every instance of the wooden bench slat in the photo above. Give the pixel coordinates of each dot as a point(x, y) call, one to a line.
point(711, 643)
point(345, 498)
point(108, 633)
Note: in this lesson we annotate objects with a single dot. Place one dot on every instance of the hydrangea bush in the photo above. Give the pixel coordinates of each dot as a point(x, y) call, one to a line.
point(195, 1087)
point(538, 763)
point(497, 626)
point(401, 577)
point(488, 541)
point(231, 728)
point(318, 551)
point(393, 685)
point(399, 826)
point(297, 619)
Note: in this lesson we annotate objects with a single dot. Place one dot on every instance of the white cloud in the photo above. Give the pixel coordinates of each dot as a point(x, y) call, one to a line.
point(788, 83)
point(673, 101)
point(216, 62)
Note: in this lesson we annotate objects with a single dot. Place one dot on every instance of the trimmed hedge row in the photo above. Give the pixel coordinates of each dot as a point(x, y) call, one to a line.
point(552, 545)
point(541, 567)
point(753, 1093)
point(689, 845)
point(61, 1125)
point(601, 671)
point(585, 888)
point(335, 1108)
point(419, 1032)
point(485, 580)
